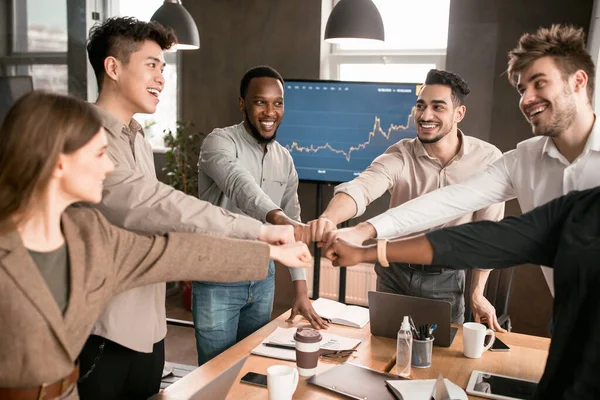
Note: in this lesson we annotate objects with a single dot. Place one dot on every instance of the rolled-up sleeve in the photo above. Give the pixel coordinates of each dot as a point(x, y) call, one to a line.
point(137, 202)
point(218, 161)
point(484, 193)
point(373, 182)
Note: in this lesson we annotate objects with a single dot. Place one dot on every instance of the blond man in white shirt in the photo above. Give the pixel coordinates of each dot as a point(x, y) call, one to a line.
point(441, 155)
point(554, 76)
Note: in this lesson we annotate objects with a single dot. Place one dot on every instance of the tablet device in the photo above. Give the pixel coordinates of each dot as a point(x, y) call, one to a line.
point(502, 387)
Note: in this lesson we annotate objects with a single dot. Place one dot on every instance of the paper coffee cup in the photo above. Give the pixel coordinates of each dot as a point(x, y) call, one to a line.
point(308, 344)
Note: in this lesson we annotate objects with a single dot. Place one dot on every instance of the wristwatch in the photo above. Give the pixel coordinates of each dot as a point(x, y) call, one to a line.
point(381, 252)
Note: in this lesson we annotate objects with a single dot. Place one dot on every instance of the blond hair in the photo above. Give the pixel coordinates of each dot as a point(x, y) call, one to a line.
point(564, 43)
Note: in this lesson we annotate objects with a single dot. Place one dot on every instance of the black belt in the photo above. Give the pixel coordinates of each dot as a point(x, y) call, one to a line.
point(426, 269)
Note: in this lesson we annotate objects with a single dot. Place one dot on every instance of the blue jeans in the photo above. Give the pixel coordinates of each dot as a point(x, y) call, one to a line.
point(225, 313)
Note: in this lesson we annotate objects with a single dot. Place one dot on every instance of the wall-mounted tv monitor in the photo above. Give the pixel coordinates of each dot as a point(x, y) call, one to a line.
point(11, 88)
point(335, 129)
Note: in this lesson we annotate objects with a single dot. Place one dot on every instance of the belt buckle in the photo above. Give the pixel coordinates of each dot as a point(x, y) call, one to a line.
point(416, 267)
point(42, 394)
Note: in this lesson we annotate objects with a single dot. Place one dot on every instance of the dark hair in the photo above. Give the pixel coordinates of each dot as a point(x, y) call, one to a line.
point(564, 43)
point(262, 71)
point(37, 129)
point(460, 88)
point(119, 37)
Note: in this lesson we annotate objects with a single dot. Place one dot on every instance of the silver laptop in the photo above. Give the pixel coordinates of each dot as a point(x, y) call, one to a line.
point(386, 311)
point(218, 388)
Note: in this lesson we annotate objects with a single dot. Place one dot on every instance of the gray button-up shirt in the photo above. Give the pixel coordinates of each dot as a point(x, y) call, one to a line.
point(234, 173)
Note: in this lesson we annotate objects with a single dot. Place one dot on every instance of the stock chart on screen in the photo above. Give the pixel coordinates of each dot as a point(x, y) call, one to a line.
point(334, 130)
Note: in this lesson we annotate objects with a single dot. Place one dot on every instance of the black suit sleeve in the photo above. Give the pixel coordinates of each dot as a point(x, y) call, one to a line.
point(530, 238)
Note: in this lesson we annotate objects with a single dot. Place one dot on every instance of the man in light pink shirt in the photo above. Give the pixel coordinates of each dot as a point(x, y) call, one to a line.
point(441, 155)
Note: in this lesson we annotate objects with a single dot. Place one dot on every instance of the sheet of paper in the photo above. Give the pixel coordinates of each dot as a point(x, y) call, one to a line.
point(285, 336)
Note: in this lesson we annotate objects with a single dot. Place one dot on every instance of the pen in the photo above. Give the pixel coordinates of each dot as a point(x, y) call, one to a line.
point(432, 328)
point(280, 346)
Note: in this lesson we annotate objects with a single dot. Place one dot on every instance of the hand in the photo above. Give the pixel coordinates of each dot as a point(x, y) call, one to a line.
point(276, 234)
point(295, 255)
point(346, 254)
point(319, 227)
point(303, 306)
point(302, 233)
point(355, 235)
point(484, 312)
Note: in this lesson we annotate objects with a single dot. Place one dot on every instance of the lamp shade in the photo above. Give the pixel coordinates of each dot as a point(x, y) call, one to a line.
point(354, 19)
point(173, 15)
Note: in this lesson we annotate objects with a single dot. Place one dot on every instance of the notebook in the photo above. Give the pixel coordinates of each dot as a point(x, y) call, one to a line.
point(387, 311)
point(341, 314)
point(356, 382)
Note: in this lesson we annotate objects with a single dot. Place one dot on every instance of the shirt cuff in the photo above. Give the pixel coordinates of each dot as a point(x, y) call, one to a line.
point(298, 274)
point(264, 208)
point(356, 195)
point(384, 225)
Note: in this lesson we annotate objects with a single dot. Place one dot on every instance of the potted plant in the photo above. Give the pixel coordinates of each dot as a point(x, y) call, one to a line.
point(181, 168)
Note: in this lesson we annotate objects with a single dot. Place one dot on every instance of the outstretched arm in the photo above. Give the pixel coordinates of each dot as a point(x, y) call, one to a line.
point(529, 238)
point(352, 198)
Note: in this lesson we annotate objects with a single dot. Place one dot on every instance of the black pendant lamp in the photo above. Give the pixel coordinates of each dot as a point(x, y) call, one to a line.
point(354, 19)
point(173, 15)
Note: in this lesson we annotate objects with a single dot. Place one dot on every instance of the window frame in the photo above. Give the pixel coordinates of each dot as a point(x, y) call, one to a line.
point(335, 56)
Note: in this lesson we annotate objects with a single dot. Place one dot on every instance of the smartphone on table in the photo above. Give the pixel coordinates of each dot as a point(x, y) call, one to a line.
point(499, 345)
point(253, 378)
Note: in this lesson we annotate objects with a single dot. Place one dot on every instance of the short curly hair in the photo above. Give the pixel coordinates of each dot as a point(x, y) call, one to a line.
point(460, 88)
point(564, 43)
point(119, 37)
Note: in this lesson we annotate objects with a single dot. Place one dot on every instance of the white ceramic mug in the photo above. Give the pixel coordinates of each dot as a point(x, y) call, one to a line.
point(473, 338)
point(282, 382)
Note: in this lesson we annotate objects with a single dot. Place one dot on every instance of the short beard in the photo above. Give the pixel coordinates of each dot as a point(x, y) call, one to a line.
point(563, 118)
point(433, 140)
point(256, 133)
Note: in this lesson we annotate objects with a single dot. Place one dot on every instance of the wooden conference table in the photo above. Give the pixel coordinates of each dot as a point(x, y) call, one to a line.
point(526, 359)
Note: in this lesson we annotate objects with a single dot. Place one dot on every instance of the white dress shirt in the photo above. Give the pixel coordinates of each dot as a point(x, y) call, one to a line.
point(535, 173)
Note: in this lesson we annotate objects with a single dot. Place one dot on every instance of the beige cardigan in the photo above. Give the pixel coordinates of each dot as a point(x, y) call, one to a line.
point(39, 344)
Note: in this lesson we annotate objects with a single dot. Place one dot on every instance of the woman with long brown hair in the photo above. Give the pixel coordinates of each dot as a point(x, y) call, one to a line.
point(60, 265)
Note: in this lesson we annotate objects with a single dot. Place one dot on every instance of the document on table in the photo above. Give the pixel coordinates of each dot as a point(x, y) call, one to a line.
point(285, 337)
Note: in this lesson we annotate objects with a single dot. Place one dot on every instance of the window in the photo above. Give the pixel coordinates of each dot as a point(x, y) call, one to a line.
point(416, 39)
point(43, 27)
point(165, 116)
point(39, 43)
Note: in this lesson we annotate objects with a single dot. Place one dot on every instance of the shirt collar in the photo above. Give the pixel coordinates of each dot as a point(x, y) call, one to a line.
point(464, 147)
point(249, 138)
point(593, 143)
point(114, 127)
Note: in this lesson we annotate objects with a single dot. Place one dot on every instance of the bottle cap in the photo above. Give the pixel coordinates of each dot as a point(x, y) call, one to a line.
point(405, 324)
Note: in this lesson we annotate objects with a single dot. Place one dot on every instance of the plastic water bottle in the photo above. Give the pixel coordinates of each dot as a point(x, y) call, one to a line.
point(404, 349)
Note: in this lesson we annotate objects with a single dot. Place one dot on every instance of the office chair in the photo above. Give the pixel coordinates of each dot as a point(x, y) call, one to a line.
point(497, 291)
